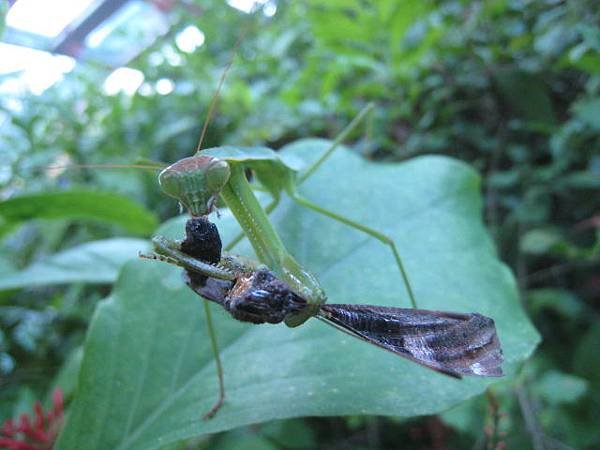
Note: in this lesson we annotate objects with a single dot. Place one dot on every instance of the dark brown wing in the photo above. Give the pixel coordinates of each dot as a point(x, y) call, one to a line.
point(452, 343)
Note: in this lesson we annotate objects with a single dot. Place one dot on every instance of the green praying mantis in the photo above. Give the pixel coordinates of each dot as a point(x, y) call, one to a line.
point(450, 343)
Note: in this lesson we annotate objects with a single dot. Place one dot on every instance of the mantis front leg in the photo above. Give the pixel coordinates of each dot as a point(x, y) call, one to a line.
point(169, 251)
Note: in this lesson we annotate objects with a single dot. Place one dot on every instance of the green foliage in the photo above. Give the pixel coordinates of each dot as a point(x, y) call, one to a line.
point(94, 262)
point(75, 205)
point(510, 86)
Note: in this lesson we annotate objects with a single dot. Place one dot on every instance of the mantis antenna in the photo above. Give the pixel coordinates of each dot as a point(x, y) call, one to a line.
point(209, 114)
point(215, 99)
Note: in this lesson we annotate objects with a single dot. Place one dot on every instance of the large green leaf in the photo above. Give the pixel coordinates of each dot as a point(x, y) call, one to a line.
point(92, 262)
point(88, 205)
point(148, 373)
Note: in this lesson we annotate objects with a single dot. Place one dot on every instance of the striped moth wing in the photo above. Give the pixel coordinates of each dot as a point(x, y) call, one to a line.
point(451, 343)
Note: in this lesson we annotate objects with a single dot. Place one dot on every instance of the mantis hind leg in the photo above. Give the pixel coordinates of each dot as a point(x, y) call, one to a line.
point(213, 342)
point(337, 141)
point(314, 166)
point(370, 231)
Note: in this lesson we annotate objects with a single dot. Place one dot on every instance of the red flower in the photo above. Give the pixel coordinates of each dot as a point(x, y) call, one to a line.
point(38, 433)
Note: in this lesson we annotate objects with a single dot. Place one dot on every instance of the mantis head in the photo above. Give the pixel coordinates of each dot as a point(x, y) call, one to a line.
point(196, 182)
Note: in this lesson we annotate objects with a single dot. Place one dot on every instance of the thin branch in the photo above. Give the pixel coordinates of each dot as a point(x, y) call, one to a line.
point(529, 415)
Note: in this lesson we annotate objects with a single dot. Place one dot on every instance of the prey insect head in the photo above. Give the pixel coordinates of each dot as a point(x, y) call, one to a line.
point(196, 182)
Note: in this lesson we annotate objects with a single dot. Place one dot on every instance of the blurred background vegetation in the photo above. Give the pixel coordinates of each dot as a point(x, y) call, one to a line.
point(510, 86)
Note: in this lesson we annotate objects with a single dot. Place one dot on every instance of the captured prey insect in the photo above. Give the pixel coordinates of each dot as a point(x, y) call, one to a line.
point(454, 344)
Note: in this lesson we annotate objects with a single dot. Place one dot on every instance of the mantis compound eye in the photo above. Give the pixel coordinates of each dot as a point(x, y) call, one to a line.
point(195, 182)
point(217, 174)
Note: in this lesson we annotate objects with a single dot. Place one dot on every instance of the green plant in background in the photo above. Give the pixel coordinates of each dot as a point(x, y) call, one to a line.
point(509, 86)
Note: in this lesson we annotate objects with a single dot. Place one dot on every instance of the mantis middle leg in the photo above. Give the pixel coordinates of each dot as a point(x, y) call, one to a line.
point(369, 231)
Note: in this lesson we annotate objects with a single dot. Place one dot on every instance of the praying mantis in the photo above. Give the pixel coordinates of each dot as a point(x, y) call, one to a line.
point(450, 343)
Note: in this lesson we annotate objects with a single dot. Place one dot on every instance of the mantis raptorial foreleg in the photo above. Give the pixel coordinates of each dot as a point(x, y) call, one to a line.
point(170, 251)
